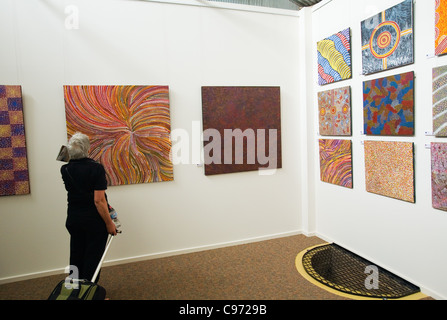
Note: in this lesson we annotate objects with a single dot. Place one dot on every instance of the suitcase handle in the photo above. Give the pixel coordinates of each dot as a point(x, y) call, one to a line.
point(98, 268)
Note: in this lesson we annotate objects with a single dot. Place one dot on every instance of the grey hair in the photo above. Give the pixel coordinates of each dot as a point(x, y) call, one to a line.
point(78, 146)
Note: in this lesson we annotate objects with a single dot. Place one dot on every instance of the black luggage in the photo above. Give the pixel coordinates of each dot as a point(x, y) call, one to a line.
point(78, 290)
point(81, 289)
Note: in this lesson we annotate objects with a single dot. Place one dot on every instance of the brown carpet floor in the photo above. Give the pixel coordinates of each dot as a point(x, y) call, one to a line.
point(257, 271)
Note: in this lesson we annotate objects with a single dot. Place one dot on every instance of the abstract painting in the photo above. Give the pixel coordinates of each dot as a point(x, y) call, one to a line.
point(334, 58)
point(14, 175)
point(387, 39)
point(389, 169)
point(129, 130)
point(335, 112)
point(440, 27)
point(440, 101)
point(439, 175)
point(242, 129)
point(336, 162)
point(388, 105)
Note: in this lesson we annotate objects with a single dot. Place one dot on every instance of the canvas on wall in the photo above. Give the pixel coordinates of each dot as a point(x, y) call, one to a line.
point(335, 112)
point(241, 128)
point(336, 162)
point(439, 102)
point(387, 39)
point(14, 174)
point(439, 175)
point(440, 27)
point(388, 105)
point(389, 169)
point(334, 58)
point(129, 129)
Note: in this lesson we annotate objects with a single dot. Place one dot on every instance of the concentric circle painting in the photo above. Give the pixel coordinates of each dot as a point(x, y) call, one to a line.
point(387, 39)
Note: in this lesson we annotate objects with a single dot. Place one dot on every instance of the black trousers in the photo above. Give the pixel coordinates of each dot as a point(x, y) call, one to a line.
point(87, 243)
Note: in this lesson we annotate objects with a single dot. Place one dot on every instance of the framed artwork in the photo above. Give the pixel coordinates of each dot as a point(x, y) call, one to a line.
point(242, 129)
point(388, 105)
point(389, 169)
point(335, 112)
point(336, 162)
point(129, 129)
point(439, 101)
point(334, 58)
point(440, 27)
point(14, 174)
point(387, 39)
point(439, 175)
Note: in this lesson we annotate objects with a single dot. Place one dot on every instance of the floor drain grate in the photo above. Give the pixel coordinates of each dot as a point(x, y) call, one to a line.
point(347, 272)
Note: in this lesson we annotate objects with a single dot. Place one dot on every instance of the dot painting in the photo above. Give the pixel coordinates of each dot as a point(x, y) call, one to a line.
point(14, 175)
point(335, 112)
point(241, 128)
point(440, 27)
point(387, 38)
point(389, 169)
point(334, 58)
point(439, 102)
point(439, 175)
point(388, 105)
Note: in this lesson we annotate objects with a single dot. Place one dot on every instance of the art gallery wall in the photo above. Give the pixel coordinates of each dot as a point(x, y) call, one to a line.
point(186, 44)
point(406, 238)
point(182, 44)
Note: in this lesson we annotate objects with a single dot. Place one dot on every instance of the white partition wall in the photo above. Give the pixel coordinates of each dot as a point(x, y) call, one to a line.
point(405, 238)
point(185, 45)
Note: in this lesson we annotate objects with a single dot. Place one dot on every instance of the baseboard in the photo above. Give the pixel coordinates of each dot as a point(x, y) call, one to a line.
point(154, 256)
point(424, 290)
point(432, 294)
point(30, 276)
point(199, 249)
point(309, 234)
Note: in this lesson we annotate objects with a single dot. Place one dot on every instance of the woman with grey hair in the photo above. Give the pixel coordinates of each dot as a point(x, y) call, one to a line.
point(88, 220)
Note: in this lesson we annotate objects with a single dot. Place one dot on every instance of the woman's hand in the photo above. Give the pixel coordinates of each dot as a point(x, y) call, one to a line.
point(103, 209)
point(111, 228)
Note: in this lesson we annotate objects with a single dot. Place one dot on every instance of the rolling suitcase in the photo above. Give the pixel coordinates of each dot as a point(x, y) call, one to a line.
point(81, 289)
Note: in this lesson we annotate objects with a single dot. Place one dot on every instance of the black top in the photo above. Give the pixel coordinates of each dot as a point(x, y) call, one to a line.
point(81, 178)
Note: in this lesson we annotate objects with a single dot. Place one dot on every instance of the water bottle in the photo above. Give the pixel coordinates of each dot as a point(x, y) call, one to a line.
point(114, 217)
point(112, 213)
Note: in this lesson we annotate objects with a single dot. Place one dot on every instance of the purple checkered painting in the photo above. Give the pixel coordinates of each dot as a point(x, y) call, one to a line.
point(14, 177)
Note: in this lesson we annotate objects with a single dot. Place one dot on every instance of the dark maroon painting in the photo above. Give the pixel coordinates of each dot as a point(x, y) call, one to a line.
point(241, 129)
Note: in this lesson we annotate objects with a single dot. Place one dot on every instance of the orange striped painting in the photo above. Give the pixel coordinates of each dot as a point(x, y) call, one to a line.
point(129, 130)
point(440, 27)
point(336, 162)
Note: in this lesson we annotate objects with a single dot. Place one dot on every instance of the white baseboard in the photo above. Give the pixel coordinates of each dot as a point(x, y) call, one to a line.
point(309, 234)
point(201, 248)
point(153, 256)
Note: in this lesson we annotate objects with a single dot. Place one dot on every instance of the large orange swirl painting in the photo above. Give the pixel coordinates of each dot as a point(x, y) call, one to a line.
point(129, 129)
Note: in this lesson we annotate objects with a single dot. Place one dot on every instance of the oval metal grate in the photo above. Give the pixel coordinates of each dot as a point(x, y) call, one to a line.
point(347, 272)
